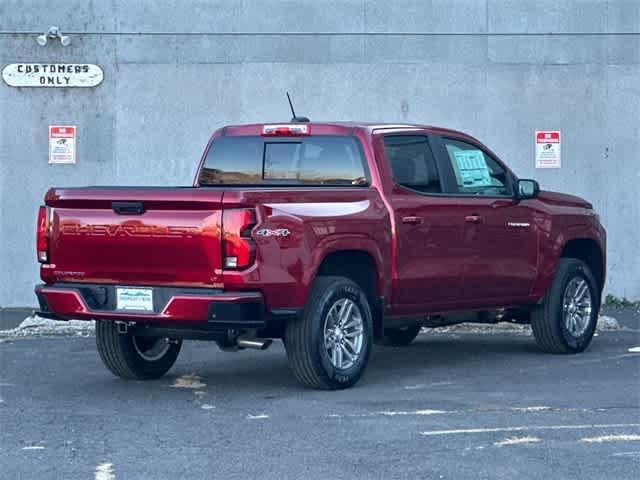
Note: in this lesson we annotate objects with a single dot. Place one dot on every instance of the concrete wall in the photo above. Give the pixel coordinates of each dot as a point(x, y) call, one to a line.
point(175, 70)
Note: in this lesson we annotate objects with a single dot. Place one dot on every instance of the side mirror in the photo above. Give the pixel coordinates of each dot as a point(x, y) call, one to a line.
point(528, 189)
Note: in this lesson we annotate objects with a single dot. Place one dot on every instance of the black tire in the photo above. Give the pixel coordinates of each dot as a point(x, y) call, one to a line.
point(305, 339)
point(547, 319)
point(121, 353)
point(401, 337)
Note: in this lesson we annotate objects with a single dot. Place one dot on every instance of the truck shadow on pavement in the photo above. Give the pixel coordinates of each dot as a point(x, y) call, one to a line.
point(429, 357)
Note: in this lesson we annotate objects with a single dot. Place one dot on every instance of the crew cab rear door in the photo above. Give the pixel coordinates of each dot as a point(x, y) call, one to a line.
point(430, 248)
point(499, 229)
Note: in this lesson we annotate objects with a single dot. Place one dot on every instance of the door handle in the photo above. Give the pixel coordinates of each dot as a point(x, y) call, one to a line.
point(473, 219)
point(412, 219)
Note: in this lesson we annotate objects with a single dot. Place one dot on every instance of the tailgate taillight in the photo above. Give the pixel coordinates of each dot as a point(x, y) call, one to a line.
point(42, 235)
point(238, 248)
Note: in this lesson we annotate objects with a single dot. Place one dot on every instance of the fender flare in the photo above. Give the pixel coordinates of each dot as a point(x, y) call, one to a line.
point(342, 242)
point(566, 235)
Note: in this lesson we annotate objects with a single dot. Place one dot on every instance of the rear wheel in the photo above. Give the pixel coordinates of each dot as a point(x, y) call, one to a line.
point(566, 319)
point(132, 357)
point(400, 337)
point(329, 346)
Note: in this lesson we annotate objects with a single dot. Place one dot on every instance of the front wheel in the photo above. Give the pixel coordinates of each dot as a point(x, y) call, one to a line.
point(566, 319)
point(132, 357)
point(329, 346)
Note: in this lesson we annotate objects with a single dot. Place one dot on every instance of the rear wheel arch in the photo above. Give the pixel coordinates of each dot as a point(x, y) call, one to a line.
point(360, 267)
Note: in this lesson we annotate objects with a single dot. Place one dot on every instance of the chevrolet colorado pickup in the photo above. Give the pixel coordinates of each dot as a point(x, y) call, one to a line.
point(329, 236)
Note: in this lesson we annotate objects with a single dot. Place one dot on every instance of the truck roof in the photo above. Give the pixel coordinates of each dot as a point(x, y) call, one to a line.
point(338, 128)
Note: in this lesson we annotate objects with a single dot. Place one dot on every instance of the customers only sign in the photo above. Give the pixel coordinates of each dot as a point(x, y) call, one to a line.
point(58, 75)
point(548, 149)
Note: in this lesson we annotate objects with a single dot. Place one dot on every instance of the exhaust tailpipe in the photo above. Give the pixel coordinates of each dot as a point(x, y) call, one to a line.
point(255, 343)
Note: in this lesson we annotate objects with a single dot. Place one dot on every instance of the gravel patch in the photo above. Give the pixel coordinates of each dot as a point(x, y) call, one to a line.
point(608, 323)
point(605, 323)
point(38, 327)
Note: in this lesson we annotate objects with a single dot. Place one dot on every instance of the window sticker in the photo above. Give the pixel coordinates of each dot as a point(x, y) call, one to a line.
point(472, 169)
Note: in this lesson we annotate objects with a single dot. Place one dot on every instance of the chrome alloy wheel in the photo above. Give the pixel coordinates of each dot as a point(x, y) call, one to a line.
point(343, 333)
point(151, 348)
point(576, 306)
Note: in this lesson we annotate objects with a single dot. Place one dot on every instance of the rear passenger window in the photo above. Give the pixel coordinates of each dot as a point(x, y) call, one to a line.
point(314, 160)
point(412, 162)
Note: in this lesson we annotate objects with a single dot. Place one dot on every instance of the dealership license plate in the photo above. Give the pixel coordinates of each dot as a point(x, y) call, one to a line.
point(140, 299)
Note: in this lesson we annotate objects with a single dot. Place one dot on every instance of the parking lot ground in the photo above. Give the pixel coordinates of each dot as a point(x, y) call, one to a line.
point(451, 406)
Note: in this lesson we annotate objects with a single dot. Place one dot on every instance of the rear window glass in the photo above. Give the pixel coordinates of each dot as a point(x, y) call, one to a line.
point(320, 160)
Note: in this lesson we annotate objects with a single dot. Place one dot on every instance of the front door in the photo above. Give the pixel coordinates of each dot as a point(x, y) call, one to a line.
point(501, 229)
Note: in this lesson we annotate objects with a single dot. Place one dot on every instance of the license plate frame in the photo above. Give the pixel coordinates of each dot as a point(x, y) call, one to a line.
point(134, 299)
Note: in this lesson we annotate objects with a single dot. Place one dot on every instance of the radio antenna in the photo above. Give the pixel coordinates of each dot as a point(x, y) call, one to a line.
point(295, 118)
point(293, 113)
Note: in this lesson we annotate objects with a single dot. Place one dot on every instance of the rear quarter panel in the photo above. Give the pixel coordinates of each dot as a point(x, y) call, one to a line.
point(319, 221)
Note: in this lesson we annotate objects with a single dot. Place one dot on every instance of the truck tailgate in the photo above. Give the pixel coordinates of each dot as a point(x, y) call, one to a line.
point(135, 235)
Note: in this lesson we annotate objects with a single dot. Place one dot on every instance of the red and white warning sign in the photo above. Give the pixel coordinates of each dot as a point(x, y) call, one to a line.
point(548, 149)
point(62, 144)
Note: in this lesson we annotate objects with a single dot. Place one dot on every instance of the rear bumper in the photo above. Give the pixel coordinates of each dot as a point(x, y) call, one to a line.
point(172, 306)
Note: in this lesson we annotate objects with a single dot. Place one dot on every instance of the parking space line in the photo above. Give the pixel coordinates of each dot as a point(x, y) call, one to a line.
point(517, 441)
point(104, 471)
point(393, 413)
point(610, 438)
point(427, 411)
point(525, 428)
point(627, 454)
point(260, 416)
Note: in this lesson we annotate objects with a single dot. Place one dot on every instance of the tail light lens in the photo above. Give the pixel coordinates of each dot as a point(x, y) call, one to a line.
point(238, 248)
point(42, 235)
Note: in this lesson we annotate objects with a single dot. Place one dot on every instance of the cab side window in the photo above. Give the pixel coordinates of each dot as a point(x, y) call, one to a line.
point(476, 173)
point(412, 163)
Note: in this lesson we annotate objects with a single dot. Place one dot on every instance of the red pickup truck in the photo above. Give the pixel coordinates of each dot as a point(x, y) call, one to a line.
point(330, 236)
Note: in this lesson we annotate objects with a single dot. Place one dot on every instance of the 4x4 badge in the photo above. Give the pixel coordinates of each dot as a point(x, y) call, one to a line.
point(279, 232)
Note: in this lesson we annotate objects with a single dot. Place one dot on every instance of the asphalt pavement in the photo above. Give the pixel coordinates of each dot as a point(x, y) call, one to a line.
point(453, 405)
